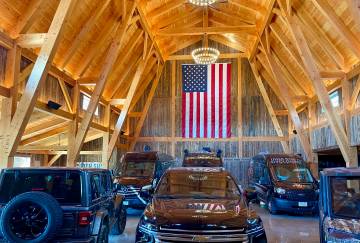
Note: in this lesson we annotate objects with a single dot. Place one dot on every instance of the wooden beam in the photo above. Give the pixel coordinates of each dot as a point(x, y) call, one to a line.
point(173, 106)
point(265, 22)
point(146, 26)
point(27, 19)
point(351, 40)
point(45, 135)
point(125, 109)
point(54, 159)
point(166, 8)
point(31, 40)
point(82, 33)
point(110, 59)
point(37, 78)
point(24, 74)
point(355, 94)
point(232, 139)
point(5, 92)
point(117, 101)
point(304, 140)
point(40, 125)
point(146, 108)
point(222, 55)
point(249, 29)
point(321, 91)
point(269, 107)
point(66, 95)
point(240, 107)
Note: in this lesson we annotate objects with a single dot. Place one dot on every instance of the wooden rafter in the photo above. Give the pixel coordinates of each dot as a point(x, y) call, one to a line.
point(304, 140)
point(250, 29)
point(269, 107)
point(337, 23)
point(27, 19)
point(321, 91)
point(83, 32)
point(355, 94)
point(37, 77)
point(110, 59)
point(125, 110)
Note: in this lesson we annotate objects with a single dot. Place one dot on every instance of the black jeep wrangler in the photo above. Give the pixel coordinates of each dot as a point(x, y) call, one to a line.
point(59, 205)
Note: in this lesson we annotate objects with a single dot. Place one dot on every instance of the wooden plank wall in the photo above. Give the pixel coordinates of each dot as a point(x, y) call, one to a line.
point(256, 121)
point(322, 138)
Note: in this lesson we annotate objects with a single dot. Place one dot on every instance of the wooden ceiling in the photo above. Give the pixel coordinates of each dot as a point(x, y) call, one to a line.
point(163, 27)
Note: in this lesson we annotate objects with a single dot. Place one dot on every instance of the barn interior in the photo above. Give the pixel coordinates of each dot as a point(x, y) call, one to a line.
point(84, 82)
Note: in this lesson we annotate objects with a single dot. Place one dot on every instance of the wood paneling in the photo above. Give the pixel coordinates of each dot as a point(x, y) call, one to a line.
point(256, 120)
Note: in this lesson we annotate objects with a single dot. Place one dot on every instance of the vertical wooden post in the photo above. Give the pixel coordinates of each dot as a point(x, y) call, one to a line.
point(105, 138)
point(239, 107)
point(173, 106)
point(8, 105)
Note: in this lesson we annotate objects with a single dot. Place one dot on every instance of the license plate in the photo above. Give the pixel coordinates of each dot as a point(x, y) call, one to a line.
point(303, 204)
point(126, 203)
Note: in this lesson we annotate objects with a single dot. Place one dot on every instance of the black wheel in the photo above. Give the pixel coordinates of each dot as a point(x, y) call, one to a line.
point(260, 239)
point(103, 236)
point(270, 207)
point(119, 227)
point(31, 217)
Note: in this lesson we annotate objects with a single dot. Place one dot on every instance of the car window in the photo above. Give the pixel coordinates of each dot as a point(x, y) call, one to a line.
point(96, 190)
point(64, 186)
point(105, 182)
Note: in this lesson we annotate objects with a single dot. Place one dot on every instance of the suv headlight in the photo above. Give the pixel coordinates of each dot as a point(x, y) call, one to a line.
point(280, 190)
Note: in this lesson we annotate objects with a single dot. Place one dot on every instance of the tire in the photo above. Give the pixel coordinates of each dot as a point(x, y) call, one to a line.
point(42, 206)
point(271, 207)
point(260, 239)
point(119, 227)
point(103, 236)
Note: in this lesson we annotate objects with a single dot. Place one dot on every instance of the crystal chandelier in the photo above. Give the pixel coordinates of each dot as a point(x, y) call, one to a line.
point(202, 2)
point(205, 55)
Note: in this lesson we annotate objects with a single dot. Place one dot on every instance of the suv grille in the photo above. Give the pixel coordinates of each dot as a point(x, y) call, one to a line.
point(130, 191)
point(178, 235)
point(298, 195)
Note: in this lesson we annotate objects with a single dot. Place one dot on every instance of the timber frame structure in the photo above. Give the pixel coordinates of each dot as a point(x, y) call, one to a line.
point(115, 52)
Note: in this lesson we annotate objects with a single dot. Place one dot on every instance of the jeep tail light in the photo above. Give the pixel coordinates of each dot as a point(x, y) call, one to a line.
point(84, 218)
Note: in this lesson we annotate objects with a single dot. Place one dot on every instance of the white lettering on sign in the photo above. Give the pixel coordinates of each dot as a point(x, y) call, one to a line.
point(285, 160)
point(92, 165)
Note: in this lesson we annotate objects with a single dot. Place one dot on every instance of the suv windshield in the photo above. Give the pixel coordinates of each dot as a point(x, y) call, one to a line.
point(139, 168)
point(345, 192)
point(64, 186)
point(197, 185)
point(290, 170)
point(202, 161)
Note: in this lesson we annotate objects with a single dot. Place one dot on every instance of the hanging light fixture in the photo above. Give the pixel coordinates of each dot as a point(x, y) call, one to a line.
point(205, 55)
point(202, 2)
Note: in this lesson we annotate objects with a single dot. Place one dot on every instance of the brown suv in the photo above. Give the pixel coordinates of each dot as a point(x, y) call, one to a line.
point(140, 171)
point(204, 158)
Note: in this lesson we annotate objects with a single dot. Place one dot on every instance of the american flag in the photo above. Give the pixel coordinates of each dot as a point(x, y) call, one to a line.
point(206, 96)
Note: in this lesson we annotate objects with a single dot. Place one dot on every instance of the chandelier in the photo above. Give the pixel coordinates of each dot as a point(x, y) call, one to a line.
point(202, 2)
point(205, 55)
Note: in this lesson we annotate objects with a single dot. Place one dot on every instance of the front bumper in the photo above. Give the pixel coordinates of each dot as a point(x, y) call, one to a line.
point(135, 203)
point(145, 235)
point(295, 206)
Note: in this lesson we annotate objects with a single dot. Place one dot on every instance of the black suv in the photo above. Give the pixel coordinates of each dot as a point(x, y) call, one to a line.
point(59, 205)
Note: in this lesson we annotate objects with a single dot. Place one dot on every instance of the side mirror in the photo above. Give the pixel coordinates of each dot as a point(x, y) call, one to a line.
point(147, 191)
point(146, 188)
point(250, 195)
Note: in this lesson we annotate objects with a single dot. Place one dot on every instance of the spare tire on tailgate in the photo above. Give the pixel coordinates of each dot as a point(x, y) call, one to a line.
point(31, 217)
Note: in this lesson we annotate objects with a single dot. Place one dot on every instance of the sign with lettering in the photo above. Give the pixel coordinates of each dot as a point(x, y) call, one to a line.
point(94, 165)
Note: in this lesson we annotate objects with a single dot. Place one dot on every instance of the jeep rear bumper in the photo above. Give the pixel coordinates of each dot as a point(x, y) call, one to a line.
point(68, 240)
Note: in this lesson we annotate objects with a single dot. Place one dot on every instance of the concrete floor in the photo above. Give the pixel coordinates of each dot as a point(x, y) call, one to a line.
point(279, 228)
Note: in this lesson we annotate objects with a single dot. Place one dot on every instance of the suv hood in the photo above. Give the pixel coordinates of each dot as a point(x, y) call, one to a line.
point(295, 186)
point(200, 213)
point(135, 181)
